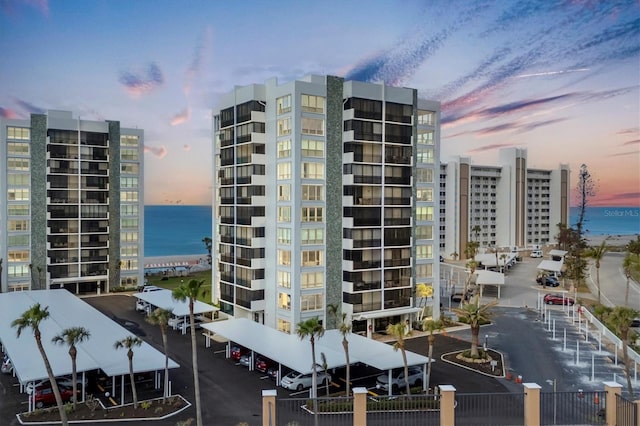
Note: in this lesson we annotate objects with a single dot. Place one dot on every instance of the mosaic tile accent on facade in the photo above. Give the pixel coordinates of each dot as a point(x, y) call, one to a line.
point(38, 201)
point(114, 204)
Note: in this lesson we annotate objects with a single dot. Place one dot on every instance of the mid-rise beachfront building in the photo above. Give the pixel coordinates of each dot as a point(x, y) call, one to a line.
point(503, 206)
point(71, 204)
point(325, 193)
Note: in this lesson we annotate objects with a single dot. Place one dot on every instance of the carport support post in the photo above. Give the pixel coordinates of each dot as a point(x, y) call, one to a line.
point(269, 407)
point(612, 389)
point(359, 406)
point(447, 405)
point(531, 404)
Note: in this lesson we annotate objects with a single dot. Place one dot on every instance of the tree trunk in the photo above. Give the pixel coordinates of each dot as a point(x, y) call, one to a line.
point(132, 378)
point(627, 369)
point(52, 379)
point(626, 294)
point(406, 370)
point(431, 338)
point(165, 345)
point(73, 353)
point(598, 280)
point(475, 330)
point(194, 360)
point(345, 345)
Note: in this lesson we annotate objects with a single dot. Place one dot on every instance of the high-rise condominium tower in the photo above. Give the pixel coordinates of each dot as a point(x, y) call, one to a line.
point(325, 193)
point(71, 204)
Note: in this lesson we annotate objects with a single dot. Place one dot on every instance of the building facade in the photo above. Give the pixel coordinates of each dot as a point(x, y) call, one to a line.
point(325, 194)
point(71, 211)
point(503, 206)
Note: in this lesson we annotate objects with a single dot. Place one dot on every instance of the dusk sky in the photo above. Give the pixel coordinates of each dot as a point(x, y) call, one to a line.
point(560, 78)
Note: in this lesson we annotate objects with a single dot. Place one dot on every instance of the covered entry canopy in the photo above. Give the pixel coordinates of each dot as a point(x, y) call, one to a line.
point(297, 356)
point(66, 311)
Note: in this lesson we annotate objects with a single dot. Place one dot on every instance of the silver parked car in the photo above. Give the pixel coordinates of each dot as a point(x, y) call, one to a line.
point(298, 381)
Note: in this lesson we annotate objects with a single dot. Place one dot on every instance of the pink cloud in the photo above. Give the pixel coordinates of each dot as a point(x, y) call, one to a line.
point(181, 117)
point(186, 147)
point(140, 82)
point(8, 113)
point(159, 152)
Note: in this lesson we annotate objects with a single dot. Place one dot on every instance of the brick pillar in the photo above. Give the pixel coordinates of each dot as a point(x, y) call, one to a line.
point(613, 389)
point(269, 407)
point(359, 406)
point(447, 405)
point(531, 404)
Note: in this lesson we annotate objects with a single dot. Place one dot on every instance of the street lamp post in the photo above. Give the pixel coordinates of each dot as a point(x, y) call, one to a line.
point(486, 342)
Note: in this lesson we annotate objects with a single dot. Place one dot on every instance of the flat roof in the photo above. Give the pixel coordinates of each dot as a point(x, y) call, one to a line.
point(489, 277)
point(66, 311)
point(551, 265)
point(164, 299)
point(560, 253)
point(297, 355)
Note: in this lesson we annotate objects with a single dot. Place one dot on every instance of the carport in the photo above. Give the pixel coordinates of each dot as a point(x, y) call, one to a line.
point(554, 266)
point(164, 299)
point(297, 356)
point(98, 352)
point(557, 255)
point(484, 278)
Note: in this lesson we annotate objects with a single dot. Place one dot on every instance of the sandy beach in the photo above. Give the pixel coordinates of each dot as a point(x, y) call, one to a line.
point(612, 240)
point(197, 262)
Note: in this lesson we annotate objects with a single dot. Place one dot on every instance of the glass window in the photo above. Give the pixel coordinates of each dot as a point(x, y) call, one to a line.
point(311, 257)
point(312, 279)
point(284, 326)
point(18, 255)
point(283, 104)
point(424, 232)
point(129, 169)
point(284, 236)
point(17, 210)
point(21, 194)
point(311, 103)
point(17, 240)
point(425, 137)
point(17, 164)
point(129, 251)
point(284, 279)
point(284, 214)
point(284, 148)
point(128, 196)
point(128, 140)
point(312, 148)
point(284, 171)
point(129, 210)
point(312, 170)
point(129, 182)
point(312, 236)
point(424, 251)
point(426, 117)
point(128, 237)
point(311, 302)
point(284, 257)
point(312, 192)
point(20, 133)
point(424, 270)
point(284, 126)
point(16, 148)
point(131, 222)
point(312, 214)
point(129, 154)
point(284, 192)
point(424, 213)
point(284, 301)
point(424, 175)
point(312, 126)
point(18, 271)
point(424, 194)
point(18, 225)
point(425, 156)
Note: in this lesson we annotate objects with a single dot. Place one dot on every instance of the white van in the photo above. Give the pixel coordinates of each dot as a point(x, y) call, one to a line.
point(536, 253)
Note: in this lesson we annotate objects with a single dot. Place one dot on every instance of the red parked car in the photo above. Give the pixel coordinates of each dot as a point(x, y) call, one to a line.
point(263, 364)
point(44, 395)
point(557, 299)
point(237, 352)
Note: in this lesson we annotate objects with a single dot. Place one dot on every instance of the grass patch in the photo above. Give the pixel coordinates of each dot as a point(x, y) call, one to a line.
point(171, 282)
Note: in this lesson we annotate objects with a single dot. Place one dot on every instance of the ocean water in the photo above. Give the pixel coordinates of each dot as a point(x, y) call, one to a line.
point(608, 220)
point(176, 230)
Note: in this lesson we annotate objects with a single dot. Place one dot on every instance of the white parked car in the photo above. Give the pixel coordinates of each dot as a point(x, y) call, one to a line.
point(141, 305)
point(7, 365)
point(149, 288)
point(536, 253)
point(298, 381)
point(397, 379)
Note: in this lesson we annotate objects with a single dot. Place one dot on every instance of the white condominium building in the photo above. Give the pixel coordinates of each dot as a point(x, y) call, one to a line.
point(325, 192)
point(509, 205)
point(71, 204)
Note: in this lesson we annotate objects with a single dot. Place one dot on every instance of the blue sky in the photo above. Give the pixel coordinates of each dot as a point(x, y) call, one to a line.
point(560, 78)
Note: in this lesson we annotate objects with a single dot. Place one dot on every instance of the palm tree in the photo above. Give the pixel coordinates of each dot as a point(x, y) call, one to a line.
point(208, 242)
point(543, 278)
point(471, 266)
point(160, 317)
point(596, 253)
point(325, 367)
point(71, 337)
point(313, 329)
point(398, 332)
point(471, 250)
point(454, 255)
point(31, 318)
point(345, 328)
point(431, 326)
point(190, 292)
point(474, 314)
point(129, 343)
point(627, 264)
point(619, 320)
point(504, 258)
point(476, 230)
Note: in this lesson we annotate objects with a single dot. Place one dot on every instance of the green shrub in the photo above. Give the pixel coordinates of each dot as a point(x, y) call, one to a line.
point(145, 405)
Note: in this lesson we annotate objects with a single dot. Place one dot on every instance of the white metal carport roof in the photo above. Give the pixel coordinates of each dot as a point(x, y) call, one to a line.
point(66, 311)
point(289, 350)
point(557, 253)
point(551, 265)
point(164, 299)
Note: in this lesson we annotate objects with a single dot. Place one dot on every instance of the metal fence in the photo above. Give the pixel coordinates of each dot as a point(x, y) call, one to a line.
point(332, 411)
point(626, 412)
point(480, 409)
point(414, 410)
point(572, 408)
